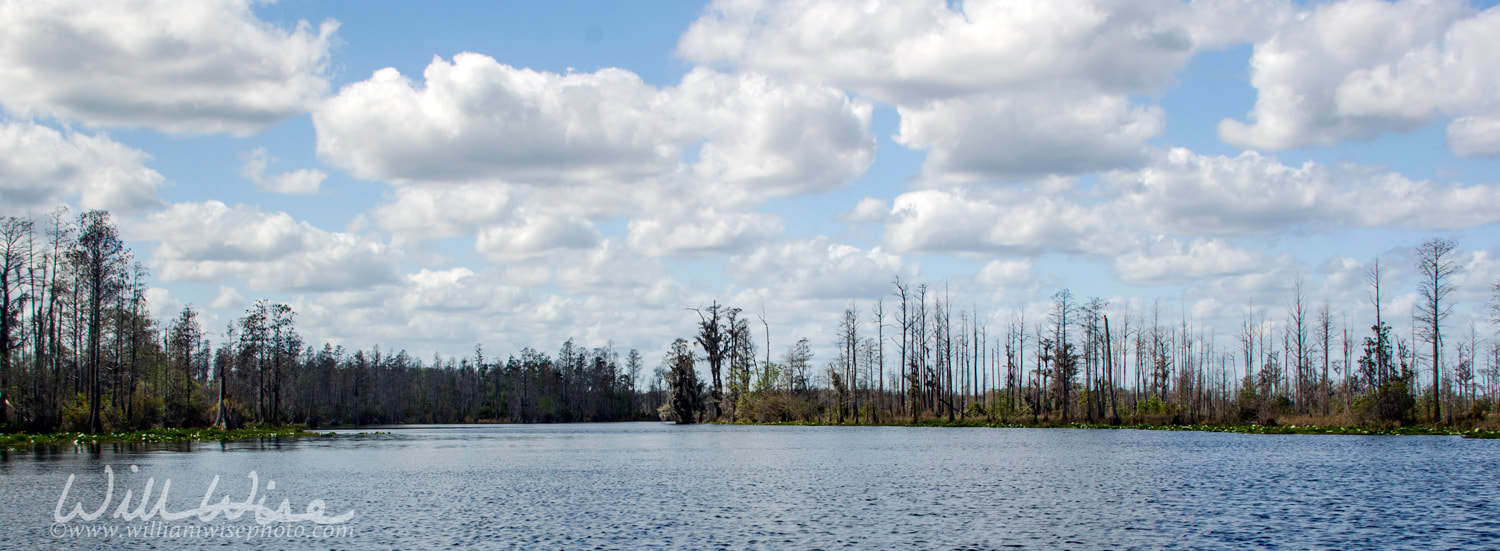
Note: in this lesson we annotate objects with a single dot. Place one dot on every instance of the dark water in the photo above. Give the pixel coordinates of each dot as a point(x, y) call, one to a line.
point(628, 486)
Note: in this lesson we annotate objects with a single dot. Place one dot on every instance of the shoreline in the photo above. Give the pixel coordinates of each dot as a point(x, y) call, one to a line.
point(1241, 429)
point(22, 441)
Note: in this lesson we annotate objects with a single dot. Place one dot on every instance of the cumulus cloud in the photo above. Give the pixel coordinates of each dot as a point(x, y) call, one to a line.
point(228, 299)
point(475, 119)
point(613, 296)
point(438, 211)
point(211, 241)
point(455, 290)
point(776, 139)
point(41, 167)
point(1474, 136)
point(478, 141)
point(954, 221)
point(1006, 272)
point(195, 67)
point(299, 182)
point(1389, 199)
point(448, 310)
point(1354, 69)
point(982, 137)
point(613, 269)
point(162, 304)
point(905, 52)
point(531, 235)
point(992, 90)
point(819, 269)
point(1206, 198)
point(1479, 271)
point(869, 210)
point(1185, 193)
point(691, 232)
point(1163, 261)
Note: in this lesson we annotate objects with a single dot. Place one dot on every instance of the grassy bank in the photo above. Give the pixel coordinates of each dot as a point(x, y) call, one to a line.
point(1245, 429)
point(21, 440)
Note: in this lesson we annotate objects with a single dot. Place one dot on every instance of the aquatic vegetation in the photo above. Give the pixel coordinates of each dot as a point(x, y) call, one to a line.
point(22, 440)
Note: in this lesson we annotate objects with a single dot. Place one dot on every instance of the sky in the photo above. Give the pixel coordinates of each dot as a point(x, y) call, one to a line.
point(430, 176)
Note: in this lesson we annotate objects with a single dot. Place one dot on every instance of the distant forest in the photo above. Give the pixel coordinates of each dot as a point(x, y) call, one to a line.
point(78, 352)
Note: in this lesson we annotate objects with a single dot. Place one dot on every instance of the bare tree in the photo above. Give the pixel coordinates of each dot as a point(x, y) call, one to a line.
point(1382, 363)
point(15, 260)
point(101, 259)
point(1326, 329)
point(1064, 360)
point(1495, 304)
point(1436, 268)
point(849, 361)
point(879, 356)
point(1298, 326)
point(906, 375)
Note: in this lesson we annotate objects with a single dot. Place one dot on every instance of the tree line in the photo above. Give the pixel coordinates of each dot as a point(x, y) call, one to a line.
point(922, 358)
point(79, 352)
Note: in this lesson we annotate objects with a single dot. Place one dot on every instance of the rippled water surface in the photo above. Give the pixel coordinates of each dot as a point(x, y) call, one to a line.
point(627, 486)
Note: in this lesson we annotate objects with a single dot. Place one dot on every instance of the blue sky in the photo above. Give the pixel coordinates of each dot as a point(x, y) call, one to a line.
point(425, 176)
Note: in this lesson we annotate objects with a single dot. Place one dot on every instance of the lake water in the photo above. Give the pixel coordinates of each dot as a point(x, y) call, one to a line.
point(645, 485)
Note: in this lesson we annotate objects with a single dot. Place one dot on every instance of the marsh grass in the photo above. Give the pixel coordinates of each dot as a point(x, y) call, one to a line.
point(20, 440)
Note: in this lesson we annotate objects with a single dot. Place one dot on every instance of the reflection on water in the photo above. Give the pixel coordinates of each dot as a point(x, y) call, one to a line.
point(625, 486)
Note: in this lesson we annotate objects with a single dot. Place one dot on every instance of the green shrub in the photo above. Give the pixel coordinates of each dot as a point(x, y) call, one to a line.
point(1391, 403)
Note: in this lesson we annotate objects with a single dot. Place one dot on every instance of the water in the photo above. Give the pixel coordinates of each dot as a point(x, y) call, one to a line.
point(644, 485)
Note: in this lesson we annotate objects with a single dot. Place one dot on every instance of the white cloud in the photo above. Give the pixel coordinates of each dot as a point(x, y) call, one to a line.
point(613, 269)
point(1388, 199)
point(299, 182)
point(992, 90)
point(1185, 193)
point(1479, 272)
point(869, 210)
point(1165, 261)
point(573, 149)
point(1006, 272)
point(194, 67)
point(691, 232)
point(227, 299)
point(985, 137)
point(1218, 23)
point(1166, 223)
point(450, 310)
point(475, 119)
point(941, 221)
point(778, 139)
point(438, 211)
point(455, 290)
point(211, 241)
point(912, 51)
point(1352, 70)
point(41, 167)
point(162, 304)
point(532, 235)
point(819, 269)
point(447, 310)
point(1474, 136)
